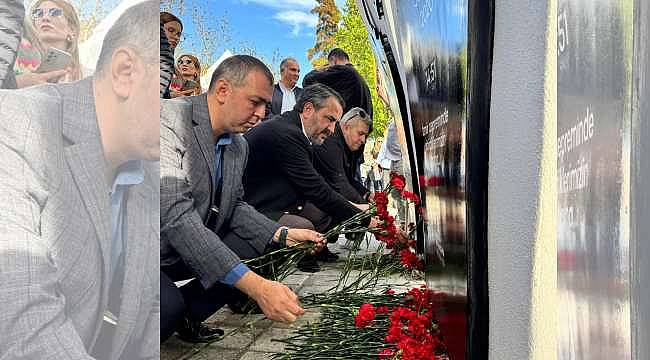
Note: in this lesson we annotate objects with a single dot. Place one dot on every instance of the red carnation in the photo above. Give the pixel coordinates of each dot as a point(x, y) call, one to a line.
point(365, 317)
point(381, 198)
point(409, 259)
point(386, 354)
point(397, 181)
point(411, 196)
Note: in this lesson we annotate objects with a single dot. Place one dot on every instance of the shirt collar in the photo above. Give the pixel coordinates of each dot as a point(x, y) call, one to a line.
point(224, 139)
point(303, 130)
point(129, 173)
point(284, 88)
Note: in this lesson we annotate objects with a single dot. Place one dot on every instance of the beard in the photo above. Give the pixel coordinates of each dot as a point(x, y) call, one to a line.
point(319, 138)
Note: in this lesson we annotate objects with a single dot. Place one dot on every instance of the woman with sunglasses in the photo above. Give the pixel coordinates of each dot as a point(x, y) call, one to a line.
point(52, 24)
point(186, 80)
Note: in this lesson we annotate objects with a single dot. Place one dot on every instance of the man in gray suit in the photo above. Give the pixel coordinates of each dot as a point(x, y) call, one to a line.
point(79, 218)
point(206, 228)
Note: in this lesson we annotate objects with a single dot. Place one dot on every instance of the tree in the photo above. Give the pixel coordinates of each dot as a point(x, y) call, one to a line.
point(328, 20)
point(352, 36)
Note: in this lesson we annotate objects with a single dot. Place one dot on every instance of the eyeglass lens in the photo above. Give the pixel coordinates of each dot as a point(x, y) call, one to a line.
point(53, 12)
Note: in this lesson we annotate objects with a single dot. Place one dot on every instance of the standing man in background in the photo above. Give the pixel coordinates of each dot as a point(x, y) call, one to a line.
point(286, 92)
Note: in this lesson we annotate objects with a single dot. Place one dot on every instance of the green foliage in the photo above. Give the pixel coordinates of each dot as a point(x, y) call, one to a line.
point(352, 37)
point(328, 20)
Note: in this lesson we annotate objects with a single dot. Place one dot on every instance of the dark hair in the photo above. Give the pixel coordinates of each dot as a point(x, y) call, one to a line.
point(236, 68)
point(338, 53)
point(317, 95)
point(166, 17)
point(135, 29)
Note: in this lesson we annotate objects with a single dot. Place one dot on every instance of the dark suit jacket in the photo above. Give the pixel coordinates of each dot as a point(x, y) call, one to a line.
point(187, 189)
point(346, 81)
point(275, 107)
point(280, 174)
point(55, 234)
point(333, 160)
point(353, 88)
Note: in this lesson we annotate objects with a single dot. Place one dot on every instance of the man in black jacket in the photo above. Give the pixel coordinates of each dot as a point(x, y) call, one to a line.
point(333, 159)
point(281, 180)
point(341, 76)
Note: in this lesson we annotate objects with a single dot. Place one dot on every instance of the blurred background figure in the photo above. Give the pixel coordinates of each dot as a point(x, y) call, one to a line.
point(49, 50)
point(11, 24)
point(171, 30)
point(187, 79)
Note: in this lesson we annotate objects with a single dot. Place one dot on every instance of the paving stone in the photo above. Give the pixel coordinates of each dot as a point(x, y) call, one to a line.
point(240, 339)
point(217, 353)
point(254, 355)
point(295, 279)
point(311, 315)
point(175, 348)
point(265, 344)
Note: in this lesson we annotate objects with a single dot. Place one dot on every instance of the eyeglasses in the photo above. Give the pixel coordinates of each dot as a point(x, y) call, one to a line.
point(53, 12)
point(362, 114)
point(185, 62)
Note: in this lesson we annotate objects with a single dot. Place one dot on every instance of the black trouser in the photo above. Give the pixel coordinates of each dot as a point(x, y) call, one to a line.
point(192, 300)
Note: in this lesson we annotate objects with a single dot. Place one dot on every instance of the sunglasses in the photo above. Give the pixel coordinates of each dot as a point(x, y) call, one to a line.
point(53, 12)
point(362, 114)
point(185, 62)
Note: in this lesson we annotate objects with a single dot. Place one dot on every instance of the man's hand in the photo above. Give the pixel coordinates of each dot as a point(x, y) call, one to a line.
point(296, 236)
point(362, 207)
point(276, 300)
point(374, 222)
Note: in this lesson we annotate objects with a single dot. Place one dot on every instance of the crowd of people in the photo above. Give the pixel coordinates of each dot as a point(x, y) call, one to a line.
point(249, 166)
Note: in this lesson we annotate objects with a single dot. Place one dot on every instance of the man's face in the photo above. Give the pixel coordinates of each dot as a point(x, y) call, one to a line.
point(355, 133)
point(245, 104)
point(290, 73)
point(320, 123)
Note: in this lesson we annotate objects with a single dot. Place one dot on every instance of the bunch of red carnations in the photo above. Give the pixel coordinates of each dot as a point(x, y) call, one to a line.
point(412, 332)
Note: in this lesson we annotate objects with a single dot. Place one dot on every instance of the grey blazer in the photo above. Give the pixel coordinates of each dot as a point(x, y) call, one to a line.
point(187, 165)
point(55, 234)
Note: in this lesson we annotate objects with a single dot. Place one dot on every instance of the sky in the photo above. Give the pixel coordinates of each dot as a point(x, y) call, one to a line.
point(266, 25)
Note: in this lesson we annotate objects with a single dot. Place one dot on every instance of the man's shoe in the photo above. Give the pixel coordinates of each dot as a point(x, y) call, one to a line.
point(308, 264)
point(197, 332)
point(326, 255)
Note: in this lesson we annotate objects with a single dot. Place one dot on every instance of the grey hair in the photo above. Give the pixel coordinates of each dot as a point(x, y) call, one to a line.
point(354, 115)
point(137, 28)
point(236, 68)
point(284, 62)
point(317, 94)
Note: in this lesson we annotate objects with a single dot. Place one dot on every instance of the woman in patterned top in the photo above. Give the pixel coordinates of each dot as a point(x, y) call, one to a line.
point(52, 24)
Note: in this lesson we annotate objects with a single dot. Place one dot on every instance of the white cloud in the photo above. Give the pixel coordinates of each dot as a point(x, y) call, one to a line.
point(285, 4)
point(297, 19)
